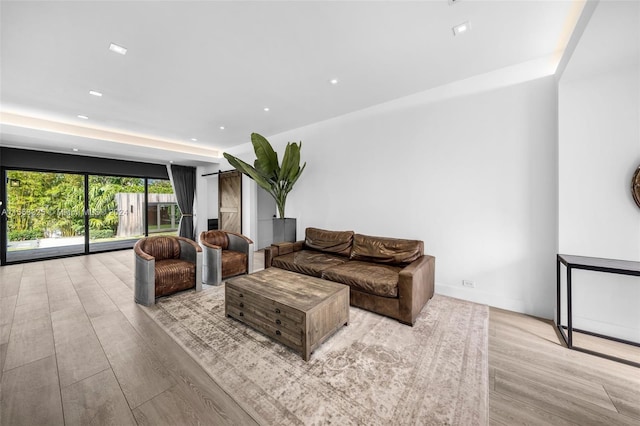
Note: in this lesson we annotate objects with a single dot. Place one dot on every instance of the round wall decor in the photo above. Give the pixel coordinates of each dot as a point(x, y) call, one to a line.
point(635, 186)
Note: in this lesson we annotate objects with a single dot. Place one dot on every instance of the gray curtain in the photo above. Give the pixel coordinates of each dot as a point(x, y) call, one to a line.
point(184, 186)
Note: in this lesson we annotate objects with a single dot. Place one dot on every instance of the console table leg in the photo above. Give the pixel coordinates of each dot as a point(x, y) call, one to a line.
point(569, 311)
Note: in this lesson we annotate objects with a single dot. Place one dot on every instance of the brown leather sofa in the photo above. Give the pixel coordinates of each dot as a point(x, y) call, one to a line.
point(166, 265)
point(389, 276)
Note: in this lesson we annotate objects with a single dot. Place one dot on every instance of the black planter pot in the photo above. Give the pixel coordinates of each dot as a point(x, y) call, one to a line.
point(284, 230)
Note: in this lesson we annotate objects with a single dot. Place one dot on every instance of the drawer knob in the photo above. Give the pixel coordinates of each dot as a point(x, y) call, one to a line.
point(278, 322)
point(241, 305)
point(241, 314)
point(277, 311)
point(278, 332)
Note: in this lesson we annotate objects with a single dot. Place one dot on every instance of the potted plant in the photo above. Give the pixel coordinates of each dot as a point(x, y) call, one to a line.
point(275, 178)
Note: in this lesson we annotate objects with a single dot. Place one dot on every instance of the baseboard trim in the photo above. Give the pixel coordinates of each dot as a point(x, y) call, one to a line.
point(473, 295)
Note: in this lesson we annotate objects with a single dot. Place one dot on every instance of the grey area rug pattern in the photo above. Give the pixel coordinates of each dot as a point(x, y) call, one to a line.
point(375, 371)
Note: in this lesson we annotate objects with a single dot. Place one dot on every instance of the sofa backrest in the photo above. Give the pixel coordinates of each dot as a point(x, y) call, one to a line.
point(386, 250)
point(162, 247)
point(335, 242)
point(217, 238)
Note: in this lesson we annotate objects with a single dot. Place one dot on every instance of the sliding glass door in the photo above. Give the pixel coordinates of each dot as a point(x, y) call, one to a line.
point(163, 214)
point(45, 214)
point(116, 212)
point(50, 214)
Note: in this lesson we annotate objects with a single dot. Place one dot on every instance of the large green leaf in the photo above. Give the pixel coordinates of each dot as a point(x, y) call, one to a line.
point(248, 170)
point(295, 161)
point(290, 162)
point(276, 179)
point(266, 158)
point(295, 178)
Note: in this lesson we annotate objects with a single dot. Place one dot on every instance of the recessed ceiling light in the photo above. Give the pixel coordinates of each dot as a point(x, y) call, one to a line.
point(266, 109)
point(118, 49)
point(333, 81)
point(194, 139)
point(75, 149)
point(84, 117)
point(221, 127)
point(462, 28)
point(94, 93)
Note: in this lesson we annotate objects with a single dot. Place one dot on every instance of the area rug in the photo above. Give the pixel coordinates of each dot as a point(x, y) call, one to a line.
point(374, 371)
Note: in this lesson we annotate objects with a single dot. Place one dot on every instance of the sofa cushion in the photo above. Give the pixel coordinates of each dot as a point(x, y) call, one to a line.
point(233, 263)
point(386, 250)
point(378, 279)
point(161, 247)
point(308, 262)
point(337, 242)
point(174, 275)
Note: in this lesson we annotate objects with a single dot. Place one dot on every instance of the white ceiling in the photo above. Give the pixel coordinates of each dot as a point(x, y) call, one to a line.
point(193, 66)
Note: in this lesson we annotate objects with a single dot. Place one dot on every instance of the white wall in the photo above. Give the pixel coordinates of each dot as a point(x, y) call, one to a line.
point(599, 149)
point(206, 196)
point(473, 175)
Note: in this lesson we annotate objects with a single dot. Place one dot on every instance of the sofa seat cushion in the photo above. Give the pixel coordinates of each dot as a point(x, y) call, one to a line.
point(372, 278)
point(233, 263)
point(174, 275)
point(308, 262)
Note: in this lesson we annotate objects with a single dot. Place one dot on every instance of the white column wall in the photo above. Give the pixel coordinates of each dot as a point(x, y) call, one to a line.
point(599, 149)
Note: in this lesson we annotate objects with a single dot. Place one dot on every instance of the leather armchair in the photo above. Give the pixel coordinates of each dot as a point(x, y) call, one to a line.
point(225, 254)
point(166, 265)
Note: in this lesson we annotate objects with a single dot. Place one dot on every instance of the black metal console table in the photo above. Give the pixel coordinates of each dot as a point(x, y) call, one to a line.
point(612, 266)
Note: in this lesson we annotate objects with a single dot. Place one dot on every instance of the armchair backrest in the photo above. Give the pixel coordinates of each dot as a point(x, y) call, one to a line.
point(217, 238)
point(161, 247)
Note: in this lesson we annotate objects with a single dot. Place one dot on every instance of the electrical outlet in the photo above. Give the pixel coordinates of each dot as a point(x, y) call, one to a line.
point(467, 283)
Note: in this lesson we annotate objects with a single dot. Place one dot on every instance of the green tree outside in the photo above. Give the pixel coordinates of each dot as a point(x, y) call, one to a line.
point(41, 203)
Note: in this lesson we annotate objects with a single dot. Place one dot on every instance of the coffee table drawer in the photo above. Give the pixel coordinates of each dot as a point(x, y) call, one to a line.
point(278, 318)
point(290, 338)
point(271, 309)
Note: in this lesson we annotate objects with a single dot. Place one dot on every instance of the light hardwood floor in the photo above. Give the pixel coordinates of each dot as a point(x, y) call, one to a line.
point(76, 349)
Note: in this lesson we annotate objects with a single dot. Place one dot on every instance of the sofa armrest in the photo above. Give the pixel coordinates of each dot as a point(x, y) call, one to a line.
point(416, 286)
point(278, 249)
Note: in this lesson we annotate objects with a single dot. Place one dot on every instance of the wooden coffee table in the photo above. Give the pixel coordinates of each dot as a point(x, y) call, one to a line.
point(297, 310)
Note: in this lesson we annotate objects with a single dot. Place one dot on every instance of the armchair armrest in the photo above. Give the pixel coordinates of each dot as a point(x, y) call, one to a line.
point(188, 249)
point(239, 242)
point(206, 245)
point(139, 253)
point(211, 264)
point(145, 277)
point(192, 252)
point(416, 287)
